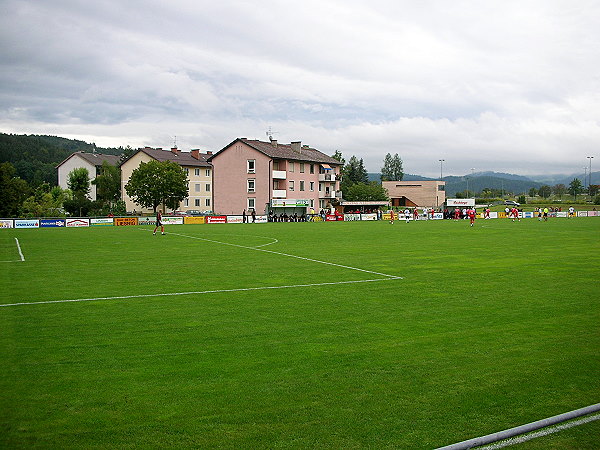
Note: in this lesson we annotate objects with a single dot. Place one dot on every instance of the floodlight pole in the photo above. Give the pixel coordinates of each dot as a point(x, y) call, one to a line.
point(441, 169)
point(590, 173)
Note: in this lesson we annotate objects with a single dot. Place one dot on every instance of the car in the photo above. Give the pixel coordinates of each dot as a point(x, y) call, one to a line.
point(512, 203)
point(193, 212)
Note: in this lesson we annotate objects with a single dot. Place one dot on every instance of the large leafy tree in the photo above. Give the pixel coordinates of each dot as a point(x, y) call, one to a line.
point(575, 188)
point(372, 191)
point(155, 183)
point(560, 190)
point(392, 169)
point(78, 181)
point(545, 191)
point(13, 191)
point(108, 184)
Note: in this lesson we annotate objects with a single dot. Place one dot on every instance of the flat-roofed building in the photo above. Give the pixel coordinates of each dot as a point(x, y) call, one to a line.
point(431, 194)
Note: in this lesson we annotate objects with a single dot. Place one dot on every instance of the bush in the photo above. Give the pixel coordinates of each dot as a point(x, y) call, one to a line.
point(597, 200)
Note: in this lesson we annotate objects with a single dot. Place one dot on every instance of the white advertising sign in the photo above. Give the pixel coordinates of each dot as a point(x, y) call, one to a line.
point(237, 219)
point(172, 220)
point(78, 222)
point(102, 221)
point(6, 223)
point(460, 202)
point(368, 216)
point(27, 223)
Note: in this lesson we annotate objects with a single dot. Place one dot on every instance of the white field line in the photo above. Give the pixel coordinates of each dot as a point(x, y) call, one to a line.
point(287, 254)
point(20, 252)
point(537, 434)
point(215, 291)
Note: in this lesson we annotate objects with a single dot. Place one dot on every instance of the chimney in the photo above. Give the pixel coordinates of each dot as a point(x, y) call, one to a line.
point(175, 150)
point(274, 142)
point(195, 153)
point(296, 146)
point(208, 153)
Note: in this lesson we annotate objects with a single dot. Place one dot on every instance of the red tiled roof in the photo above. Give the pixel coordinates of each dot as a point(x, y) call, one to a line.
point(181, 158)
point(95, 159)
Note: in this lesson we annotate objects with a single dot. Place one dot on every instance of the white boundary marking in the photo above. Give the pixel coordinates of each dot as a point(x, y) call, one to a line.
point(537, 434)
point(215, 291)
point(20, 252)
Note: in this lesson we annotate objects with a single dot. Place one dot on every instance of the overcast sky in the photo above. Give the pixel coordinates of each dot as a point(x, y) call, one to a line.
point(502, 85)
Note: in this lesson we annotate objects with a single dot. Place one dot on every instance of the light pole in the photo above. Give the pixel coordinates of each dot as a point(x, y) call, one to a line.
point(590, 173)
point(441, 169)
point(584, 176)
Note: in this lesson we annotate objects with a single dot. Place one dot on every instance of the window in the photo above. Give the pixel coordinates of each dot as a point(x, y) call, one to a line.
point(322, 204)
point(292, 168)
point(302, 185)
point(186, 202)
point(197, 172)
point(251, 184)
point(251, 166)
point(207, 202)
point(312, 203)
point(441, 187)
point(207, 173)
point(312, 168)
point(301, 167)
point(187, 171)
point(197, 202)
point(251, 203)
point(197, 187)
point(207, 187)
point(320, 187)
point(312, 186)
point(291, 185)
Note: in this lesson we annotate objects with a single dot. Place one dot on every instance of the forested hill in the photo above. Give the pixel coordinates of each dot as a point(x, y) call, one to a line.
point(36, 156)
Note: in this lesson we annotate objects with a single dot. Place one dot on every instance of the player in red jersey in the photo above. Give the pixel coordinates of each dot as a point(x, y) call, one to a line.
point(471, 213)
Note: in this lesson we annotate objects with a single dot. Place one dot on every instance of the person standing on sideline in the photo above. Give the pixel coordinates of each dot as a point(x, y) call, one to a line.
point(244, 218)
point(407, 214)
point(392, 216)
point(159, 223)
point(546, 214)
point(253, 215)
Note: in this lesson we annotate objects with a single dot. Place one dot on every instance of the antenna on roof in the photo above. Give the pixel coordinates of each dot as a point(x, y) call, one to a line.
point(174, 141)
point(270, 133)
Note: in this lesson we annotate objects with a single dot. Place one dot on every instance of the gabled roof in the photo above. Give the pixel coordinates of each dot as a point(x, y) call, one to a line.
point(284, 151)
point(181, 158)
point(95, 159)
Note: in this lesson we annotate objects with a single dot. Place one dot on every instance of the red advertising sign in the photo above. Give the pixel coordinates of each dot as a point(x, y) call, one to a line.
point(216, 219)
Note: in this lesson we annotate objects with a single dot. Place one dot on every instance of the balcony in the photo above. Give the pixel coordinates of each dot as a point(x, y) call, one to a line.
point(279, 174)
point(279, 193)
point(327, 177)
point(330, 194)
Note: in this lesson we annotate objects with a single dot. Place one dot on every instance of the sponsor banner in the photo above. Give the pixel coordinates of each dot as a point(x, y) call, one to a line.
point(259, 219)
point(593, 213)
point(172, 220)
point(102, 222)
point(357, 217)
point(27, 223)
point(561, 214)
point(146, 220)
point(125, 221)
point(460, 202)
point(582, 213)
point(52, 223)
point(330, 218)
point(216, 219)
point(368, 217)
point(317, 218)
point(194, 220)
point(6, 223)
point(73, 223)
point(238, 219)
point(438, 216)
point(289, 203)
point(527, 215)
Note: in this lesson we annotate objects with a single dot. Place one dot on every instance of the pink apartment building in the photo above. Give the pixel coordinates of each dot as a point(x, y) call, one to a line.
point(250, 174)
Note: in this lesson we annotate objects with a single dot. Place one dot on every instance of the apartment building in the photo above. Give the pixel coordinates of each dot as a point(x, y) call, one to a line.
point(195, 164)
point(251, 174)
point(90, 161)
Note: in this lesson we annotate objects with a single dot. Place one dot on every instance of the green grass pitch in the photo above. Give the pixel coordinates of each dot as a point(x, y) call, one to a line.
point(446, 333)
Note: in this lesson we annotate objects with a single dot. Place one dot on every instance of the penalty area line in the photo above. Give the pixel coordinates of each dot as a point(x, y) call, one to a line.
point(215, 291)
point(20, 252)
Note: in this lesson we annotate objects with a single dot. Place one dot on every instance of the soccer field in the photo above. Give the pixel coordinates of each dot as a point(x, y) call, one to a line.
point(298, 335)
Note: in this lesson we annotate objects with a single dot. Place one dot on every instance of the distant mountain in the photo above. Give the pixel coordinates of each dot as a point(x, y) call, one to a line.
point(553, 180)
point(506, 176)
point(407, 177)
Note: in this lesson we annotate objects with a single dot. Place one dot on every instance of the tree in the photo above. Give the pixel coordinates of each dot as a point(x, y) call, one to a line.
point(594, 189)
point(372, 191)
point(392, 168)
point(560, 190)
point(533, 192)
point(13, 191)
point(575, 188)
point(46, 202)
point(338, 155)
point(155, 183)
point(545, 191)
point(108, 184)
point(352, 173)
point(126, 153)
point(78, 181)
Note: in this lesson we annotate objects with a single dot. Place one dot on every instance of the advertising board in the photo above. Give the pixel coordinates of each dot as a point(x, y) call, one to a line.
point(146, 220)
point(73, 223)
point(348, 217)
point(27, 223)
point(125, 221)
point(194, 220)
point(289, 203)
point(6, 223)
point(172, 220)
point(460, 202)
point(368, 217)
point(52, 223)
point(237, 219)
point(102, 222)
point(216, 219)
